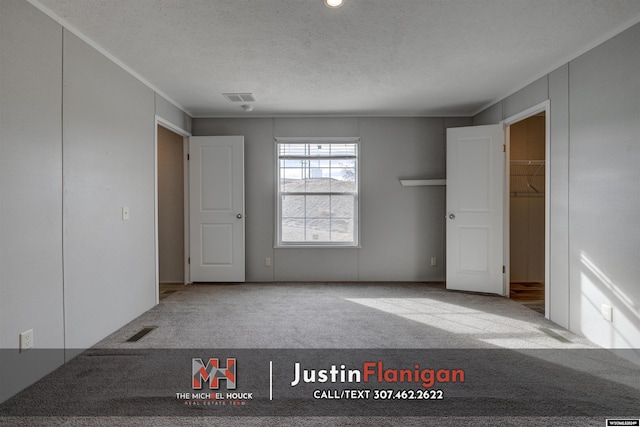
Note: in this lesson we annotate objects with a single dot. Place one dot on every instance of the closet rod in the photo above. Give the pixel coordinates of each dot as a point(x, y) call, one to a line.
point(528, 162)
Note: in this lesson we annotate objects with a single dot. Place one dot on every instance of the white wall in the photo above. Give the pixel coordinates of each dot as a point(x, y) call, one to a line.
point(172, 115)
point(77, 143)
point(401, 228)
point(604, 172)
point(595, 153)
point(31, 290)
point(109, 141)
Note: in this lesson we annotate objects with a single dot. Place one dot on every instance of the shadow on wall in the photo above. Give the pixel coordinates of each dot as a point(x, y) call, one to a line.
point(596, 290)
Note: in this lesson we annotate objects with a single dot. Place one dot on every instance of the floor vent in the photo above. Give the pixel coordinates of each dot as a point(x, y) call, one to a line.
point(554, 335)
point(113, 353)
point(141, 334)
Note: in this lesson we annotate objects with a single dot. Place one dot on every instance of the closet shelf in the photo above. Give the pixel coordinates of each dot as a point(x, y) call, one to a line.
point(527, 162)
point(527, 177)
point(422, 182)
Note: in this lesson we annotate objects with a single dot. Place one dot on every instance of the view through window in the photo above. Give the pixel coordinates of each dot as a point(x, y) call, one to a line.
point(317, 193)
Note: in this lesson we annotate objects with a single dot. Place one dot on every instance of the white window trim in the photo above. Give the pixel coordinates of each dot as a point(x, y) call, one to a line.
point(319, 140)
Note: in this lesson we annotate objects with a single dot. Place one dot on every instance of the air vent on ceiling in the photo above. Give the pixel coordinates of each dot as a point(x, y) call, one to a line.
point(239, 97)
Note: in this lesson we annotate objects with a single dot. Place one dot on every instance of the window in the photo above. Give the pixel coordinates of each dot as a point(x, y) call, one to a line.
point(317, 197)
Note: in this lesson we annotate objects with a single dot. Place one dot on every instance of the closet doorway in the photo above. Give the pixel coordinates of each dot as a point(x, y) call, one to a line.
point(171, 202)
point(527, 190)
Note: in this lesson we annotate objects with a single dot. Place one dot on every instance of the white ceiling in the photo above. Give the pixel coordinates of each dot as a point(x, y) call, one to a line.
point(369, 57)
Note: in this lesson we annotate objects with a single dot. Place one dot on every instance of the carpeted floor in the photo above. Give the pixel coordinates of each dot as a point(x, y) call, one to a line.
point(520, 368)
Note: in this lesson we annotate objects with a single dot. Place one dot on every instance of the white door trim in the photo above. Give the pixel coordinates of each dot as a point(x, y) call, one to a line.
point(159, 121)
point(545, 107)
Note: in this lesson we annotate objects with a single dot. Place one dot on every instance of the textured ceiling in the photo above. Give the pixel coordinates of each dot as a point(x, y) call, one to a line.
point(369, 57)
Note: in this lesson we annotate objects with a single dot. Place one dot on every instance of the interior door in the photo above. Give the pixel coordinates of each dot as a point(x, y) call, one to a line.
point(216, 202)
point(474, 214)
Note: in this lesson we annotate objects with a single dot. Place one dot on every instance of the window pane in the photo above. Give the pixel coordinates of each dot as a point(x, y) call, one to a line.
point(318, 185)
point(292, 150)
point(290, 163)
point(342, 230)
point(343, 163)
point(343, 186)
point(292, 185)
point(342, 207)
point(318, 230)
point(347, 149)
point(318, 206)
point(293, 207)
point(316, 150)
point(292, 230)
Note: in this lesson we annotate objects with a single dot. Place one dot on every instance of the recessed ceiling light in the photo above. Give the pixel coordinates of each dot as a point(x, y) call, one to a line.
point(333, 3)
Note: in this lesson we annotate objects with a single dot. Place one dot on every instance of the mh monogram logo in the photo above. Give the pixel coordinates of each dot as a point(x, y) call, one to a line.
point(213, 372)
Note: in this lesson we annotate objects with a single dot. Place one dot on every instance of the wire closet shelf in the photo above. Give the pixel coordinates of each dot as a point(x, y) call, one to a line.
point(527, 178)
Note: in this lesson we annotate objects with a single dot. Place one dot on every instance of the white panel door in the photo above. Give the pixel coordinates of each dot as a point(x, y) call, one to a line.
point(216, 204)
point(474, 214)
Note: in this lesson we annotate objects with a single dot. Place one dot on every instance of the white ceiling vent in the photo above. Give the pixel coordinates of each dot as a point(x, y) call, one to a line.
point(240, 97)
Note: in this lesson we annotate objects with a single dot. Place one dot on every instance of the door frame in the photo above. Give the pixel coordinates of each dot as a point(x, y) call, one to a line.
point(545, 107)
point(159, 121)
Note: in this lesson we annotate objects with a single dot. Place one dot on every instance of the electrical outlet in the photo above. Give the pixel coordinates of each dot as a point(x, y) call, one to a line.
point(267, 262)
point(434, 261)
point(26, 340)
point(607, 312)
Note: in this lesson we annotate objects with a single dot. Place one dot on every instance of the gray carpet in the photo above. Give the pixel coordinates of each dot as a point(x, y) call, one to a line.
point(520, 368)
point(343, 315)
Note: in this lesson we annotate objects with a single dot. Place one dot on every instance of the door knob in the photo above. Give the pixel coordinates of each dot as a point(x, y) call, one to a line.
point(239, 216)
point(452, 216)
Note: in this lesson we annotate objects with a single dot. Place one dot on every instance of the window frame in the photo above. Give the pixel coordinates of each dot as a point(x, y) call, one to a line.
point(278, 243)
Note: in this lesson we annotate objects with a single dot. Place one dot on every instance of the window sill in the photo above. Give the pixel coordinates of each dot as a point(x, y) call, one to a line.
point(294, 246)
